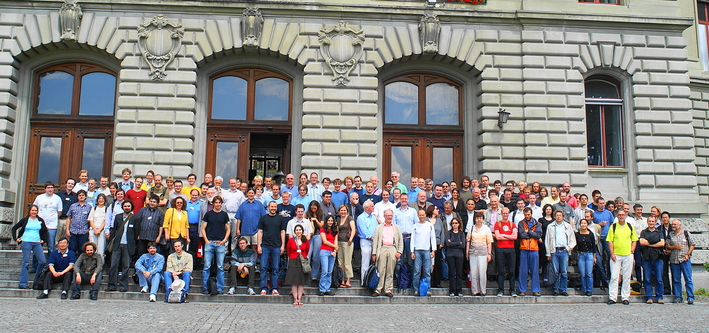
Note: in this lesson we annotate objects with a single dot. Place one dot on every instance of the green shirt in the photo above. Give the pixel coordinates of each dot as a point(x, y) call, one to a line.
point(622, 237)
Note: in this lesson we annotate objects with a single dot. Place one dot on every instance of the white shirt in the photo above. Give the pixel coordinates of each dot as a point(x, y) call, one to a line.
point(48, 209)
point(382, 206)
point(232, 200)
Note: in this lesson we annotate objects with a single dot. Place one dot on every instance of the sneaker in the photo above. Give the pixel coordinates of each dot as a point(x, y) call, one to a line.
point(264, 292)
point(678, 300)
point(416, 293)
point(690, 302)
point(514, 294)
point(626, 302)
point(144, 290)
point(649, 301)
point(63, 295)
point(152, 297)
point(275, 292)
point(231, 291)
point(500, 293)
point(660, 301)
point(251, 291)
point(611, 302)
point(537, 294)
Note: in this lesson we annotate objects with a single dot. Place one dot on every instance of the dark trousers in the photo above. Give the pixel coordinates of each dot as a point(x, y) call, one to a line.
point(506, 264)
point(455, 274)
point(120, 260)
point(76, 242)
point(195, 242)
point(64, 279)
point(666, 274)
point(234, 275)
point(86, 279)
point(437, 274)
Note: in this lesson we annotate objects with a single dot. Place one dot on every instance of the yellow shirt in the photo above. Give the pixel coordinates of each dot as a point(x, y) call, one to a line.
point(622, 238)
point(176, 223)
point(187, 189)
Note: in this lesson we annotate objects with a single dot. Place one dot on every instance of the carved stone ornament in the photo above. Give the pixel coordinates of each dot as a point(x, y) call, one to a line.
point(69, 19)
point(159, 40)
point(429, 29)
point(341, 46)
point(251, 26)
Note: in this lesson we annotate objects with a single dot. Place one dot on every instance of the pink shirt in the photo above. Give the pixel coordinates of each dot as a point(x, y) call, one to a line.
point(388, 235)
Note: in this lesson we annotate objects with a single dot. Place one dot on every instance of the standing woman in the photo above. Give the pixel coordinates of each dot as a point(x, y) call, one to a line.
point(546, 219)
point(586, 247)
point(111, 197)
point(328, 252)
point(176, 223)
point(655, 211)
point(295, 277)
point(479, 250)
point(314, 215)
point(30, 232)
point(455, 244)
point(458, 205)
point(346, 232)
point(98, 217)
point(432, 216)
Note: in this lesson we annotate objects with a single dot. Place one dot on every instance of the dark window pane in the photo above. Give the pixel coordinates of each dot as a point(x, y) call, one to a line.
point(613, 136)
point(229, 98)
point(227, 153)
point(601, 89)
point(701, 11)
point(272, 97)
point(55, 92)
point(442, 104)
point(442, 164)
point(98, 91)
point(593, 135)
point(401, 162)
point(401, 104)
point(50, 148)
point(92, 161)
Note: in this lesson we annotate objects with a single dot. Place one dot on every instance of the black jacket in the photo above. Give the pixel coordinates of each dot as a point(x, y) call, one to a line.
point(43, 232)
point(114, 240)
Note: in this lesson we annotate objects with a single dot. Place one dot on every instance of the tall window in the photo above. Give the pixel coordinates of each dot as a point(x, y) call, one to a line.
point(249, 123)
point(72, 124)
point(609, 2)
point(703, 33)
point(604, 122)
point(423, 129)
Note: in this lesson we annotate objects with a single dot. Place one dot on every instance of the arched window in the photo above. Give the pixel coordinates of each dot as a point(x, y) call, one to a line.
point(604, 122)
point(423, 128)
point(71, 123)
point(249, 123)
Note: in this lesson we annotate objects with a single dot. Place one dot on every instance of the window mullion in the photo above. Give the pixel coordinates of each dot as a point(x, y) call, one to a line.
point(604, 158)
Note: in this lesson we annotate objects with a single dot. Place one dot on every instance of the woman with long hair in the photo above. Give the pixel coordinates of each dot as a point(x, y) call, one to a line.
point(546, 219)
point(433, 216)
point(98, 217)
point(586, 248)
point(314, 215)
point(479, 250)
point(455, 243)
point(346, 232)
point(328, 253)
point(176, 224)
point(30, 232)
point(295, 277)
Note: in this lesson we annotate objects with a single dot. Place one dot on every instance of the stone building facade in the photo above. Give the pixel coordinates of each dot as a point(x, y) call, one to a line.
point(344, 66)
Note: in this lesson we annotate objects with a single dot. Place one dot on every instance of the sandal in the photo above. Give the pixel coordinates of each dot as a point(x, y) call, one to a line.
point(344, 286)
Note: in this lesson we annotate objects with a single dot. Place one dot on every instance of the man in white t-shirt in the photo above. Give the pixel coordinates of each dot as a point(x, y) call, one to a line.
point(50, 208)
point(383, 205)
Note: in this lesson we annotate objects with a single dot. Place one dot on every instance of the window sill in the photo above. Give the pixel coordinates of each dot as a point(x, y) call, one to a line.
point(602, 170)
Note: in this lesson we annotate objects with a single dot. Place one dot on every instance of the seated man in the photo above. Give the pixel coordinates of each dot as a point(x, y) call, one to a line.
point(242, 263)
point(88, 270)
point(149, 269)
point(61, 262)
point(179, 266)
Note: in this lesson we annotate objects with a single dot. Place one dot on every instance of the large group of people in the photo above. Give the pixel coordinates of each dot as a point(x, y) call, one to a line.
point(327, 230)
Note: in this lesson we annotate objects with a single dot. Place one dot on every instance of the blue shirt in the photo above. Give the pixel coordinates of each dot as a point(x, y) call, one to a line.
point(193, 211)
point(437, 202)
point(147, 263)
point(249, 214)
point(405, 219)
point(303, 201)
point(61, 261)
point(373, 198)
point(339, 198)
point(315, 192)
point(79, 218)
point(366, 224)
point(293, 190)
point(32, 229)
point(413, 194)
point(604, 215)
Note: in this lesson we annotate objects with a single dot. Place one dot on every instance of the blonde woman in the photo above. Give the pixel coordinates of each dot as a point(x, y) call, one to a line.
point(347, 231)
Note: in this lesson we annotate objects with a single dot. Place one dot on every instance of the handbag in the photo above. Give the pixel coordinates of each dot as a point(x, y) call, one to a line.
point(305, 264)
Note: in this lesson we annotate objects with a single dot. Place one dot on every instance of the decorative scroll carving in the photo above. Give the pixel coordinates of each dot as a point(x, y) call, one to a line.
point(341, 46)
point(429, 30)
point(70, 19)
point(251, 26)
point(159, 40)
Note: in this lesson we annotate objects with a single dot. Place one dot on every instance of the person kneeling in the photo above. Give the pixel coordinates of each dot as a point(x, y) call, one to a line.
point(87, 270)
point(179, 266)
point(149, 269)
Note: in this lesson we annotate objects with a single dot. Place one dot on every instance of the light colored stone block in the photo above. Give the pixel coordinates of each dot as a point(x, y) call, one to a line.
point(339, 149)
point(169, 130)
point(321, 134)
point(134, 129)
point(320, 161)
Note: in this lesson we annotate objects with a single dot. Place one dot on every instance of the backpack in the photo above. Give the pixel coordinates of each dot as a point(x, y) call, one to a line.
point(405, 276)
point(371, 278)
point(38, 283)
point(549, 277)
point(337, 275)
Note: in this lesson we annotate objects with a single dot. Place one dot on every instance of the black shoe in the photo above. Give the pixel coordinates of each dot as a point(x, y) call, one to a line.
point(321, 293)
point(589, 293)
point(205, 292)
point(611, 302)
point(690, 302)
point(328, 293)
point(111, 288)
point(678, 300)
point(43, 296)
point(563, 293)
point(24, 287)
point(63, 296)
point(93, 295)
point(626, 302)
point(121, 289)
point(555, 294)
point(75, 296)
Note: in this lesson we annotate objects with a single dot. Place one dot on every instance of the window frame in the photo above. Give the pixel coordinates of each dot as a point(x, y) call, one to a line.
point(598, 2)
point(602, 103)
point(422, 81)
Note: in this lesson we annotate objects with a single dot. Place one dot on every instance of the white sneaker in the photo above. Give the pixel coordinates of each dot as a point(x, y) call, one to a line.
point(152, 297)
point(231, 291)
point(144, 290)
point(251, 291)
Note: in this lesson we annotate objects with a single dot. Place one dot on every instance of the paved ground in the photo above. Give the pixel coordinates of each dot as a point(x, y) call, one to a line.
point(27, 315)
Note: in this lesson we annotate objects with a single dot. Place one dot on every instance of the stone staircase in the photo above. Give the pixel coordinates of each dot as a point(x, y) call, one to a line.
point(11, 261)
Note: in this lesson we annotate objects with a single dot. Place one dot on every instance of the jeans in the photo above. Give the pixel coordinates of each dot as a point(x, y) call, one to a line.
point(185, 276)
point(506, 262)
point(270, 258)
point(327, 262)
point(404, 258)
point(528, 263)
point(423, 260)
point(623, 265)
point(76, 242)
point(650, 269)
point(586, 270)
point(560, 260)
point(36, 249)
point(314, 255)
point(86, 279)
point(153, 281)
point(366, 250)
point(52, 239)
point(443, 263)
point(210, 250)
point(684, 268)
